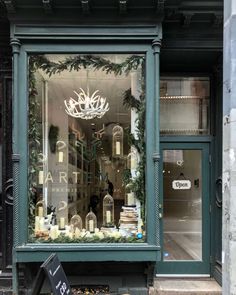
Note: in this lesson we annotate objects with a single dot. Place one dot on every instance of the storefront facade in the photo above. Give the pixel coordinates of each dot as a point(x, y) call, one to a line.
point(116, 141)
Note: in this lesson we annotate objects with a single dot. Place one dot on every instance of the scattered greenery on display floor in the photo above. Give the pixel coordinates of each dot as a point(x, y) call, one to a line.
point(93, 239)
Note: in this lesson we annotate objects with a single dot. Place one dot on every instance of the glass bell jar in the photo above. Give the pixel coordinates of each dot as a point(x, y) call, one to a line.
point(62, 214)
point(108, 211)
point(76, 222)
point(132, 159)
point(91, 221)
point(117, 141)
point(129, 196)
point(40, 209)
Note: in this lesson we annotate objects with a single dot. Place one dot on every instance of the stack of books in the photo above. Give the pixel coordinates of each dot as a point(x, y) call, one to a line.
point(128, 220)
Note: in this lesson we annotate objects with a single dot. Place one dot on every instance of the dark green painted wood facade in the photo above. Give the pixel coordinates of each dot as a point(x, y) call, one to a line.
point(191, 37)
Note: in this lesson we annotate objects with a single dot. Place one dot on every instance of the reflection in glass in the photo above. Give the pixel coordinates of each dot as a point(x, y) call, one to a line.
point(81, 120)
point(184, 105)
point(182, 196)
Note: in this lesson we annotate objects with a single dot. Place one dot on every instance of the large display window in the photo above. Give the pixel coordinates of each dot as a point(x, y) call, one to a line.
point(86, 151)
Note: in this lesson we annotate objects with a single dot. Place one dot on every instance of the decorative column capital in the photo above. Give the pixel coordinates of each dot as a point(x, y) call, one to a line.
point(156, 157)
point(15, 43)
point(156, 45)
point(15, 158)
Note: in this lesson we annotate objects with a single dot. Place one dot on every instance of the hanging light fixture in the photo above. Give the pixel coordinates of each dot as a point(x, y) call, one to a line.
point(117, 141)
point(85, 106)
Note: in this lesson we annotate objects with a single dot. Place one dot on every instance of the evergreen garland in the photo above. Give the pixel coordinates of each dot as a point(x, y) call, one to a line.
point(79, 62)
point(138, 183)
point(93, 239)
point(34, 138)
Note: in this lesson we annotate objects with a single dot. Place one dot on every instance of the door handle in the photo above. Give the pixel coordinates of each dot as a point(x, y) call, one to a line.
point(160, 213)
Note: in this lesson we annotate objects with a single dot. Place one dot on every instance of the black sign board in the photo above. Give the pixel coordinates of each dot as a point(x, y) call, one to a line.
point(52, 269)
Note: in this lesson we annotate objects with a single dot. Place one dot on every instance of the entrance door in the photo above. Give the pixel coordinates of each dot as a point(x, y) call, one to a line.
point(185, 205)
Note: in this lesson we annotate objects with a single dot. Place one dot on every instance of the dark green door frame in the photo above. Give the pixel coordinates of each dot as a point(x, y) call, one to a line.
point(191, 267)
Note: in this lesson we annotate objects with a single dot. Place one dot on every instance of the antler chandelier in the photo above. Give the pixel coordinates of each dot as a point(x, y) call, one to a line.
point(86, 106)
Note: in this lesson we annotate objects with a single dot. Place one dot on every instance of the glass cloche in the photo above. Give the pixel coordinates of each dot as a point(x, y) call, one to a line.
point(108, 211)
point(91, 221)
point(62, 214)
point(76, 222)
point(40, 209)
point(129, 196)
point(117, 141)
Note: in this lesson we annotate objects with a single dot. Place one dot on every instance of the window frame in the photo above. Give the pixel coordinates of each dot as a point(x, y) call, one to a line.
point(24, 251)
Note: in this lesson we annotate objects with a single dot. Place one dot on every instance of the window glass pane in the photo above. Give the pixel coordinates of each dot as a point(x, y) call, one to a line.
point(184, 105)
point(182, 196)
point(86, 164)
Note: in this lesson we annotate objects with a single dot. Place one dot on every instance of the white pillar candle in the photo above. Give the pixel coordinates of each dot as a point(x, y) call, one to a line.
point(117, 148)
point(108, 216)
point(62, 223)
point(40, 177)
point(91, 225)
point(60, 157)
point(36, 225)
point(130, 198)
point(41, 224)
point(40, 211)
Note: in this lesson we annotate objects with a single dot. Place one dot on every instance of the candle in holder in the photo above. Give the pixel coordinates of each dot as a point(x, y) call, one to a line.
point(130, 199)
point(60, 157)
point(41, 224)
point(36, 225)
point(108, 210)
point(117, 148)
point(40, 177)
point(117, 141)
point(90, 221)
point(91, 225)
point(62, 223)
point(108, 216)
point(40, 211)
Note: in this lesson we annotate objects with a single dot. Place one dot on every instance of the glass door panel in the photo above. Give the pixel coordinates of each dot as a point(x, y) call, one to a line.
point(182, 205)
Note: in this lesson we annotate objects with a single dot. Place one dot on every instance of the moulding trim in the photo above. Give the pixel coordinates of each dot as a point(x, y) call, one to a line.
point(117, 32)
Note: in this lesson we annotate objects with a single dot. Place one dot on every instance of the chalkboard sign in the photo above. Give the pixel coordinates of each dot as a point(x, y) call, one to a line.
point(52, 269)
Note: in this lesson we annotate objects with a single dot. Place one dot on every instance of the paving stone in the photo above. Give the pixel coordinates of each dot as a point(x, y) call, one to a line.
point(185, 287)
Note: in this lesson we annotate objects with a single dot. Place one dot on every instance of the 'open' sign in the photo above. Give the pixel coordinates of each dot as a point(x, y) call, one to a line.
point(181, 184)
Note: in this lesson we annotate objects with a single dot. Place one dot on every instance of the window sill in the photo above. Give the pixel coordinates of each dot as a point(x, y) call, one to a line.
point(88, 252)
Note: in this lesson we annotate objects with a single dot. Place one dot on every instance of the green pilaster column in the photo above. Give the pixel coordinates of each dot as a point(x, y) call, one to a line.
point(15, 43)
point(156, 44)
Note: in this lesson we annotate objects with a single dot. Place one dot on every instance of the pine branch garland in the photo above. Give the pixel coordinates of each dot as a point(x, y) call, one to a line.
point(93, 239)
point(34, 138)
point(79, 62)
